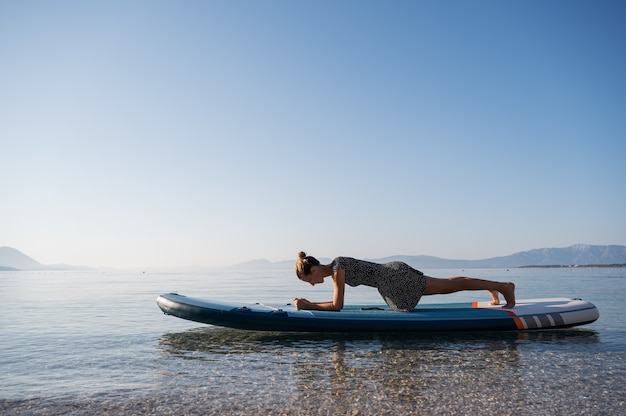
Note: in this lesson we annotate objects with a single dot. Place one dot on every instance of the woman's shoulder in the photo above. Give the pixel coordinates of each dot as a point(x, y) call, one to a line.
point(342, 262)
point(341, 259)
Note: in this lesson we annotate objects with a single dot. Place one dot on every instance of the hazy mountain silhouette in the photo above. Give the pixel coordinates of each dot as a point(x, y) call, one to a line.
point(576, 255)
point(13, 259)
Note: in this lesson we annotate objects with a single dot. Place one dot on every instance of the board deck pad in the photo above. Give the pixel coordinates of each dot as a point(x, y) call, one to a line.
point(528, 314)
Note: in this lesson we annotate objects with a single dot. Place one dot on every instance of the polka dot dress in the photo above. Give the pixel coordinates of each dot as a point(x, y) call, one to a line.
point(400, 285)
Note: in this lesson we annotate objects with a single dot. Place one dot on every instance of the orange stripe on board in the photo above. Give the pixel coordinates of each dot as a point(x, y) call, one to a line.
point(474, 304)
point(519, 323)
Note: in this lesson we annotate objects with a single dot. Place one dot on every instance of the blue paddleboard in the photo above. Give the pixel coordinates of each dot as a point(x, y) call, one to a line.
point(529, 314)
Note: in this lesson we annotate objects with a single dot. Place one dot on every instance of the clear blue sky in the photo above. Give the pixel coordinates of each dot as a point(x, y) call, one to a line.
point(165, 133)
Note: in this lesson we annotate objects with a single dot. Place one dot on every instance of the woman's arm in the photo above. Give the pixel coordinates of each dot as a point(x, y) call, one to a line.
point(336, 304)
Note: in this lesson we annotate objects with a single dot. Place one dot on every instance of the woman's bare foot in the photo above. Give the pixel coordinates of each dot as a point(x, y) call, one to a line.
point(495, 300)
point(508, 291)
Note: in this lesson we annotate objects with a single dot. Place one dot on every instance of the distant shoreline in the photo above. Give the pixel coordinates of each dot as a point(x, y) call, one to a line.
point(573, 266)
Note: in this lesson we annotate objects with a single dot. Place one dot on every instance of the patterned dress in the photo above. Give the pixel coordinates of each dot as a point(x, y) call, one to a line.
point(400, 285)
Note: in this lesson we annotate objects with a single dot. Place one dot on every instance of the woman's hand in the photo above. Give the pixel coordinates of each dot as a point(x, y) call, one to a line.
point(301, 303)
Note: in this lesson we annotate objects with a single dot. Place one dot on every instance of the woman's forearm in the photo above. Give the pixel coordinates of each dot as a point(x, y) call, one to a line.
point(326, 306)
point(304, 304)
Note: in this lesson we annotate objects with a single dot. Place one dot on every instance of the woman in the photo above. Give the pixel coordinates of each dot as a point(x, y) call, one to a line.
point(399, 284)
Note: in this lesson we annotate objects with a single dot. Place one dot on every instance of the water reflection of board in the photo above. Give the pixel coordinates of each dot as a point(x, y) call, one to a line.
point(478, 316)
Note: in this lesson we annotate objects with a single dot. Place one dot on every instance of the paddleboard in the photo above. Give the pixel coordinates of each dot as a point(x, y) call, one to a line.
point(528, 314)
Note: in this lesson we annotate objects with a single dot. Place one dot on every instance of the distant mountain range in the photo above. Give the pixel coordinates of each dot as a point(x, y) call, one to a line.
point(13, 259)
point(576, 255)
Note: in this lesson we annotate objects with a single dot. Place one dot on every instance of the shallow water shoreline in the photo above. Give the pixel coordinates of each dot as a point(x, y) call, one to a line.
point(81, 343)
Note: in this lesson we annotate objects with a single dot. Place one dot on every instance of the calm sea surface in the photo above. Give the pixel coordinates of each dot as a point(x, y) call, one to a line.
point(96, 343)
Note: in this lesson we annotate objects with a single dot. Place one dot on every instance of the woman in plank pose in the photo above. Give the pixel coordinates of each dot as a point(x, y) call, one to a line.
point(400, 285)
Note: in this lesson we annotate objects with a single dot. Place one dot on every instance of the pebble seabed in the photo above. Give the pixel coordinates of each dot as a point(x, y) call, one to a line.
point(211, 372)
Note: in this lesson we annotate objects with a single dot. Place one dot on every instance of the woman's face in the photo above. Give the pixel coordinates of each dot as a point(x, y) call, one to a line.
point(316, 276)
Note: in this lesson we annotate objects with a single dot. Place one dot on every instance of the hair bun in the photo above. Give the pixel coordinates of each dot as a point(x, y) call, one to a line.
point(302, 254)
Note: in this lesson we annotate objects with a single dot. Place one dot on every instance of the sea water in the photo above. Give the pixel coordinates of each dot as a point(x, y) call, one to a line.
point(94, 342)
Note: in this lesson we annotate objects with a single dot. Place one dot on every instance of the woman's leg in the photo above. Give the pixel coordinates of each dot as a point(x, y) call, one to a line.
point(495, 300)
point(436, 286)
